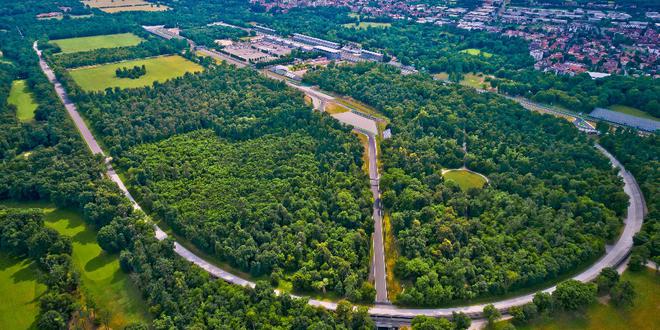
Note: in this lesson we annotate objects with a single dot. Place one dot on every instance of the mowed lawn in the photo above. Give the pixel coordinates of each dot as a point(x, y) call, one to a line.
point(98, 78)
point(20, 292)
point(645, 313)
point(102, 279)
point(474, 81)
point(465, 179)
point(82, 44)
point(22, 99)
point(632, 111)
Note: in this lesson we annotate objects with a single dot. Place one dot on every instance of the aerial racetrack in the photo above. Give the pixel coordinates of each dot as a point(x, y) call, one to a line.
point(412, 188)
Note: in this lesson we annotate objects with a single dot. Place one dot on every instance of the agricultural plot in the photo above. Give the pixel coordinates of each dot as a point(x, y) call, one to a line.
point(477, 52)
point(117, 6)
point(159, 69)
point(82, 44)
point(20, 291)
point(465, 179)
point(22, 99)
point(102, 279)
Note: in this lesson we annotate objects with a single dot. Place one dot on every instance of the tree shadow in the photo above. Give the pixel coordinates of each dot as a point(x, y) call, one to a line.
point(99, 261)
point(84, 237)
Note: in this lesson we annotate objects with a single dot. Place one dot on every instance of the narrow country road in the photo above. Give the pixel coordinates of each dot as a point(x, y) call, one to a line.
point(383, 313)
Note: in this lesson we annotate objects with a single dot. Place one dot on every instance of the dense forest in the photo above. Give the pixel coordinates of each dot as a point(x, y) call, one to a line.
point(277, 204)
point(581, 93)
point(639, 154)
point(317, 200)
point(551, 204)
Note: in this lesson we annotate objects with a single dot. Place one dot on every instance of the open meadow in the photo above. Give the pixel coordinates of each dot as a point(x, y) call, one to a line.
point(82, 44)
point(102, 281)
point(117, 6)
point(22, 99)
point(20, 291)
point(98, 78)
point(643, 315)
point(465, 179)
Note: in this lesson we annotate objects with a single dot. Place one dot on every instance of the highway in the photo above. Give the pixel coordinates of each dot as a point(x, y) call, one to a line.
point(614, 256)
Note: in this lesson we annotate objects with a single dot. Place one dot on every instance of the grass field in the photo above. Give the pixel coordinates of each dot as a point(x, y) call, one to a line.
point(441, 76)
point(22, 99)
point(644, 314)
point(333, 108)
point(74, 45)
point(100, 276)
point(102, 279)
point(465, 179)
point(159, 69)
point(20, 292)
point(116, 6)
point(477, 52)
point(391, 256)
point(632, 111)
point(366, 25)
point(474, 81)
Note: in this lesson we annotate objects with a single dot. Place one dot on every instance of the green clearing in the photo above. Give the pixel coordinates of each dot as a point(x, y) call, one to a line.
point(366, 25)
point(22, 99)
point(20, 291)
point(82, 44)
point(632, 111)
point(334, 108)
point(102, 281)
point(98, 78)
point(477, 52)
point(465, 179)
point(474, 81)
point(643, 315)
point(441, 76)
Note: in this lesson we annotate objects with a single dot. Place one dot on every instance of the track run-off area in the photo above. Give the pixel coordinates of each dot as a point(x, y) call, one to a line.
point(615, 254)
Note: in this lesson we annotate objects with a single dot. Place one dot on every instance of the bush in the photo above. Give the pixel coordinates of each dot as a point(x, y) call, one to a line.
point(607, 279)
point(623, 294)
point(574, 295)
point(51, 320)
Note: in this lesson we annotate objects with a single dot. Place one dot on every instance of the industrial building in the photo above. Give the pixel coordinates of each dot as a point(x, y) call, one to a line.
point(315, 41)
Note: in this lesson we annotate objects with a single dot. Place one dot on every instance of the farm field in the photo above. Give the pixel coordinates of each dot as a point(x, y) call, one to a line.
point(82, 44)
point(464, 178)
point(116, 6)
point(366, 25)
point(477, 52)
point(22, 99)
point(632, 111)
point(20, 290)
point(643, 315)
point(159, 69)
point(102, 279)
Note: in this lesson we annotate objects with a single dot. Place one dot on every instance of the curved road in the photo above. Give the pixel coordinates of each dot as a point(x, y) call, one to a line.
point(615, 255)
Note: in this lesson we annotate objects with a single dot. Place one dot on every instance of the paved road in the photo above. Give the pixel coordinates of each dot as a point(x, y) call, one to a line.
point(614, 257)
point(378, 262)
